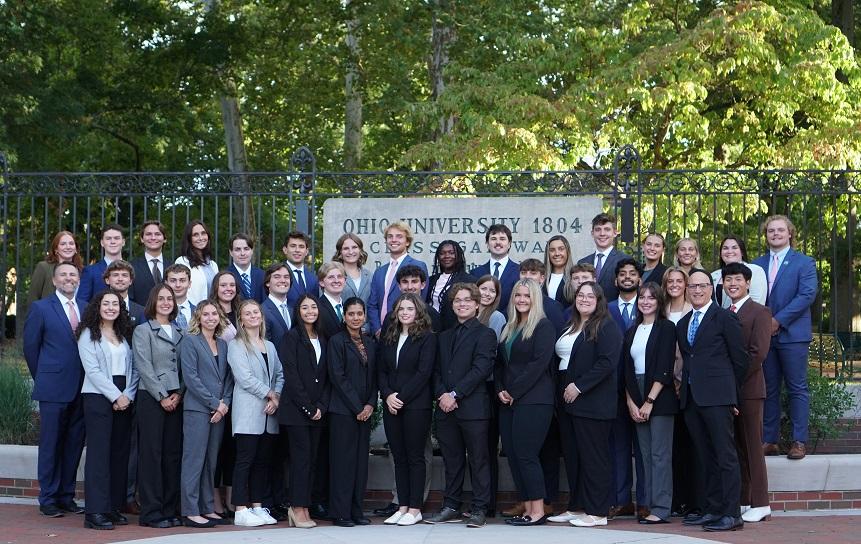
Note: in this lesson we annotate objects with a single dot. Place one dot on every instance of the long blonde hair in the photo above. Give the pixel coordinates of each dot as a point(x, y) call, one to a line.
point(536, 312)
point(241, 333)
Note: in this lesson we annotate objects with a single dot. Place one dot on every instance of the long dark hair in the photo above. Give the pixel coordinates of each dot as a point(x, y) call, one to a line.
point(196, 257)
point(459, 258)
point(484, 315)
point(593, 324)
point(297, 319)
point(213, 292)
point(655, 290)
point(741, 246)
point(420, 327)
point(92, 321)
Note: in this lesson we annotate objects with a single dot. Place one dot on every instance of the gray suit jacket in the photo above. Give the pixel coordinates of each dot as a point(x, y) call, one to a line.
point(157, 359)
point(97, 369)
point(364, 290)
point(208, 381)
point(252, 382)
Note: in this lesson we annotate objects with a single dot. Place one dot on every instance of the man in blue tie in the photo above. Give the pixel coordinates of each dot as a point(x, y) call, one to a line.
point(498, 238)
point(249, 278)
point(606, 255)
point(624, 309)
point(297, 246)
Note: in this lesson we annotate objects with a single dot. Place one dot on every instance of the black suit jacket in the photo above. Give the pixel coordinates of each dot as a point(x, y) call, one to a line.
point(607, 278)
point(592, 369)
point(527, 373)
point(657, 274)
point(463, 365)
point(446, 312)
point(559, 295)
point(436, 320)
point(716, 364)
point(555, 312)
point(354, 383)
point(660, 357)
point(411, 377)
point(144, 282)
point(306, 386)
point(328, 323)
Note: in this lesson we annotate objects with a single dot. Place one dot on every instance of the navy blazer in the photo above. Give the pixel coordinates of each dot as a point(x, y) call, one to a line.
point(92, 281)
point(144, 282)
point(258, 292)
point(607, 278)
point(616, 312)
point(311, 284)
point(410, 377)
point(375, 300)
point(527, 373)
point(354, 384)
point(510, 275)
point(51, 351)
point(306, 386)
point(660, 358)
point(592, 369)
point(276, 327)
point(792, 294)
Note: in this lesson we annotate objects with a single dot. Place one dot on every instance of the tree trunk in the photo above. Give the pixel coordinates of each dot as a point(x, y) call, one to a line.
point(237, 160)
point(443, 36)
point(352, 90)
point(842, 17)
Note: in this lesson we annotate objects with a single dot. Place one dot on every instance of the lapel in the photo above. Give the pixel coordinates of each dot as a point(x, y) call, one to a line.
point(651, 343)
point(263, 366)
point(404, 350)
point(395, 289)
point(174, 339)
point(784, 266)
point(706, 317)
point(61, 315)
point(606, 267)
point(577, 343)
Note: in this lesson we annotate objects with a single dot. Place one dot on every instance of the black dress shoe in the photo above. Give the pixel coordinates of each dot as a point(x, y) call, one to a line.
point(71, 507)
point(362, 521)
point(195, 525)
point(99, 522)
point(318, 511)
point(343, 522)
point(156, 524)
point(692, 519)
point(175, 521)
point(117, 518)
point(726, 523)
point(51, 511)
point(387, 510)
point(218, 521)
point(647, 521)
point(527, 521)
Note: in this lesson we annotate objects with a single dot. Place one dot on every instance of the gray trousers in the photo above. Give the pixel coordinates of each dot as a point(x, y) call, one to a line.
point(201, 441)
point(655, 438)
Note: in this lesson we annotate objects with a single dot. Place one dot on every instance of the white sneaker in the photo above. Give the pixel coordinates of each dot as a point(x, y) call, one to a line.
point(393, 519)
point(759, 513)
point(409, 519)
point(565, 517)
point(588, 521)
point(246, 518)
point(263, 513)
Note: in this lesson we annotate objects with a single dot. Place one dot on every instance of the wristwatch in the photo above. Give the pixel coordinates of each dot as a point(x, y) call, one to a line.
point(453, 395)
point(650, 400)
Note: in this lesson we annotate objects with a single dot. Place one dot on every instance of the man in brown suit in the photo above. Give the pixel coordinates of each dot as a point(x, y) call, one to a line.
point(756, 327)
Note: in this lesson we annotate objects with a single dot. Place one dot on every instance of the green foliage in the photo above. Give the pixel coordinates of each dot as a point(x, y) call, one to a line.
point(829, 401)
point(16, 408)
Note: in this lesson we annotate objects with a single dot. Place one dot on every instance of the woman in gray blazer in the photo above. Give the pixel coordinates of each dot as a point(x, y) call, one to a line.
point(208, 394)
point(110, 384)
point(156, 359)
point(350, 252)
point(258, 381)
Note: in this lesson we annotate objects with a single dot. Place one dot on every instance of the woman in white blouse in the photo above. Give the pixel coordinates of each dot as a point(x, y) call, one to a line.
point(197, 255)
point(733, 250)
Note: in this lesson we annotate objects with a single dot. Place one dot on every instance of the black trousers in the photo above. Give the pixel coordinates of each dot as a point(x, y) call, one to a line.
point(458, 440)
point(711, 429)
point(320, 487)
point(407, 433)
point(304, 441)
point(226, 455)
point(493, 443)
point(572, 458)
point(688, 474)
point(349, 443)
point(550, 454)
point(591, 438)
point(251, 472)
point(523, 428)
point(106, 467)
point(160, 458)
point(279, 468)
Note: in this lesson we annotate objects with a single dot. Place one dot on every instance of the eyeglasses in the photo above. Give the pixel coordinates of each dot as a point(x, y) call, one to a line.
point(699, 286)
point(584, 296)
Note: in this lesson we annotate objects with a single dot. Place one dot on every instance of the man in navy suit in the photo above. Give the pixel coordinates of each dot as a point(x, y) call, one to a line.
point(92, 278)
point(500, 266)
point(606, 256)
point(276, 311)
point(249, 278)
point(628, 273)
point(149, 267)
point(384, 286)
point(119, 276)
point(297, 245)
point(792, 288)
point(51, 352)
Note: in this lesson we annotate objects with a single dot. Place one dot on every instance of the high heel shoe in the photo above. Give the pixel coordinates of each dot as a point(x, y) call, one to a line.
point(293, 522)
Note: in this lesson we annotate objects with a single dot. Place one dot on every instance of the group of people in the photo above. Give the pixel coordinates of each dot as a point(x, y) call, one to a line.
point(197, 389)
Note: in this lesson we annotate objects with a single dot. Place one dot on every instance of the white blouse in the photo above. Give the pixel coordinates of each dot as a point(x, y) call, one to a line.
point(118, 358)
point(402, 339)
point(638, 347)
point(564, 346)
point(553, 284)
point(318, 351)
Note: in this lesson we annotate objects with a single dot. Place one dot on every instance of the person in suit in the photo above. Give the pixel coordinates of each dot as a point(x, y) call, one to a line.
point(249, 278)
point(449, 268)
point(64, 249)
point(52, 358)
point(110, 384)
point(149, 268)
point(734, 250)
point(654, 246)
point(332, 279)
point(558, 261)
point(524, 386)
point(715, 365)
point(405, 363)
point(792, 288)
point(464, 361)
point(197, 255)
point(687, 255)
point(276, 311)
point(554, 311)
point(178, 276)
point(586, 392)
point(350, 252)
point(160, 391)
point(648, 355)
point(605, 256)
point(580, 273)
point(208, 395)
point(384, 285)
point(623, 310)
point(92, 277)
point(297, 246)
point(498, 239)
point(225, 292)
point(755, 322)
point(258, 380)
point(353, 375)
point(307, 393)
point(413, 279)
point(118, 277)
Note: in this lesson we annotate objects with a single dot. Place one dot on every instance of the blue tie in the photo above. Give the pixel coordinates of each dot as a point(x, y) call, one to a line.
point(246, 286)
point(626, 316)
point(181, 321)
point(302, 288)
point(496, 270)
point(695, 324)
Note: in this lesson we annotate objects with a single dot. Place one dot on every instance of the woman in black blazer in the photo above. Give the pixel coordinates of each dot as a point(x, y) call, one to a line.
point(353, 375)
point(524, 386)
point(405, 363)
point(587, 387)
point(449, 268)
point(306, 393)
point(649, 352)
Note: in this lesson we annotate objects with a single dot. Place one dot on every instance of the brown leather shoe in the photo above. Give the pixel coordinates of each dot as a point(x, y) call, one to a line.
point(132, 508)
point(624, 510)
point(517, 510)
point(770, 449)
point(797, 451)
point(643, 512)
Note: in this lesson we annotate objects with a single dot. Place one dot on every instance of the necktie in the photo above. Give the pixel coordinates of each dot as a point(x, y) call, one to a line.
point(626, 315)
point(73, 315)
point(285, 313)
point(180, 319)
point(340, 312)
point(390, 275)
point(695, 324)
point(300, 281)
point(772, 271)
point(156, 273)
point(599, 264)
point(496, 270)
point(733, 309)
point(246, 285)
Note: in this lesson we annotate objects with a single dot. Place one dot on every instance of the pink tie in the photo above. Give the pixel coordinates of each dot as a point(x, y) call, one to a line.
point(73, 315)
point(733, 309)
point(772, 272)
point(393, 267)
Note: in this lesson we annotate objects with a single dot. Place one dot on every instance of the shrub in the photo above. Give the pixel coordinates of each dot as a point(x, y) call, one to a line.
point(16, 407)
point(829, 400)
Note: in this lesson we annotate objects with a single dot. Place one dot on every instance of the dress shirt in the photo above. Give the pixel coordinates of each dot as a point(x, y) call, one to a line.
point(632, 308)
point(605, 253)
point(503, 262)
point(280, 305)
point(65, 303)
point(564, 346)
point(638, 347)
point(159, 263)
point(185, 310)
point(118, 357)
point(739, 304)
point(335, 302)
point(702, 312)
point(318, 350)
point(553, 284)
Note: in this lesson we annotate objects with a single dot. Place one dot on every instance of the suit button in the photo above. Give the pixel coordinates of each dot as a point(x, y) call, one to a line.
point(316, 380)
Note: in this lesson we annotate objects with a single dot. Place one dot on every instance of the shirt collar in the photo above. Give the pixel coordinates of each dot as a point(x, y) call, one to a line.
point(704, 309)
point(277, 302)
point(739, 304)
point(64, 299)
point(503, 262)
point(333, 301)
point(242, 271)
point(781, 254)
